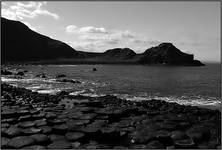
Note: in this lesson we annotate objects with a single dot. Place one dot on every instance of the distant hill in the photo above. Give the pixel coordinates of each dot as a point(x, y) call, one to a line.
point(167, 53)
point(21, 44)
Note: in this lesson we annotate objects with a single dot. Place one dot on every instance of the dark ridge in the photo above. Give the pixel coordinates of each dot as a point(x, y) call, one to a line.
point(123, 53)
point(167, 53)
point(19, 43)
point(22, 45)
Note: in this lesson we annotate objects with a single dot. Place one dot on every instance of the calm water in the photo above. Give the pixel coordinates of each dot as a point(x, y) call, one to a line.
point(185, 85)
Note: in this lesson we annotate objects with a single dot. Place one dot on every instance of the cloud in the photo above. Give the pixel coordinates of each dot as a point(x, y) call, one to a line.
point(99, 39)
point(20, 11)
point(91, 29)
point(71, 28)
point(85, 30)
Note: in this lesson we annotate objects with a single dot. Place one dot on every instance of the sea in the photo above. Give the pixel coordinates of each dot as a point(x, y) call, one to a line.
point(196, 86)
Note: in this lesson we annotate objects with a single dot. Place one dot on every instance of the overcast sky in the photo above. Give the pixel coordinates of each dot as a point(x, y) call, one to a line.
point(193, 27)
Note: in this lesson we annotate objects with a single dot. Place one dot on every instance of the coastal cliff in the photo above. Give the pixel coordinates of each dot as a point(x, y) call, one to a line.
point(21, 44)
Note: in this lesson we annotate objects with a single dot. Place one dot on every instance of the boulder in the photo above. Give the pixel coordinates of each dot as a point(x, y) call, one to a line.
point(155, 145)
point(20, 141)
point(73, 136)
point(60, 144)
point(60, 76)
point(40, 138)
point(6, 72)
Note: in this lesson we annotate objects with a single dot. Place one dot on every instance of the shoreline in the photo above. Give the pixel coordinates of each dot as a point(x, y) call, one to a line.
point(64, 121)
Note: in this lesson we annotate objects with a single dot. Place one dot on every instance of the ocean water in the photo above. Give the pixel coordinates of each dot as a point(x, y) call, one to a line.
point(199, 86)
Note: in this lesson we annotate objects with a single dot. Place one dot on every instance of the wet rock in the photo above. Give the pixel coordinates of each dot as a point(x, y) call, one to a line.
point(60, 144)
point(20, 141)
point(26, 124)
point(102, 117)
point(4, 125)
point(170, 147)
point(23, 112)
point(40, 138)
point(184, 143)
point(68, 80)
point(25, 118)
point(183, 125)
point(6, 72)
point(60, 129)
point(46, 129)
point(88, 116)
point(10, 120)
point(42, 75)
point(153, 113)
point(178, 135)
point(142, 136)
point(138, 146)
point(34, 111)
point(72, 136)
point(8, 114)
point(4, 142)
point(89, 129)
point(155, 145)
point(198, 133)
point(20, 73)
point(38, 116)
point(34, 147)
point(41, 122)
point(55, 121)
point(3, 131)
point(85, 109)
point(169, 125)
point(77, 122)
point(50, 115)
point(32, 130)
point(119, 147)
point(75, 145)
point(60, 75)
point(13, 131)
point(55, 137)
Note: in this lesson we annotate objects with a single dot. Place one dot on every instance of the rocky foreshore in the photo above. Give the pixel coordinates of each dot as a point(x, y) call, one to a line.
point(30, 120)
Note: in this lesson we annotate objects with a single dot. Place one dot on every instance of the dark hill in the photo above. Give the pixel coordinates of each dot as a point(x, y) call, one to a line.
point(120, 53)
point(19, 43)
point(167, 53)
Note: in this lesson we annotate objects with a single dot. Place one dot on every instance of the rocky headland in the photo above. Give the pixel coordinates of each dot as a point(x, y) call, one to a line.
point(36, 48)
point(30, 120)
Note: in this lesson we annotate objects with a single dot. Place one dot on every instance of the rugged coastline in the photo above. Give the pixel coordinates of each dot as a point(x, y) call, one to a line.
point(40, 49)
point(33, 120)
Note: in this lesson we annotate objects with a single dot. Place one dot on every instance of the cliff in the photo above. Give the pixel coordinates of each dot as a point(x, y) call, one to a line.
point(21, 44)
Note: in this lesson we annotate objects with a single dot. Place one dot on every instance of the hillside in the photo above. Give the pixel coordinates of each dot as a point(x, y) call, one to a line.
point(19, 44)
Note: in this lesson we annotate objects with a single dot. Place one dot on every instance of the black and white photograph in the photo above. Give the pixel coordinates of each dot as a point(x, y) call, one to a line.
point(111, 74)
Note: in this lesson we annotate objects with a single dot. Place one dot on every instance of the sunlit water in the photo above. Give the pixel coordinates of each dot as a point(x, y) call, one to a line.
point(198, 86)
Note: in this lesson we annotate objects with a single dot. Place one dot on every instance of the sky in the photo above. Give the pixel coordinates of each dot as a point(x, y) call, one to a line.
point(193, 27)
